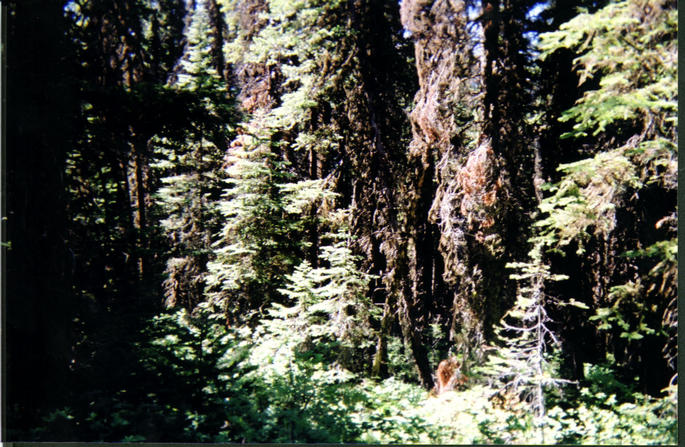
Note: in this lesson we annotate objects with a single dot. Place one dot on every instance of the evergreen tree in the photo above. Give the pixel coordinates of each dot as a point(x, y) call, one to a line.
point(296, 64)
point(329, 307)
point(191, 167)
point(617, 207)
point(472, 148)
point(258, 244)
point(523, 364)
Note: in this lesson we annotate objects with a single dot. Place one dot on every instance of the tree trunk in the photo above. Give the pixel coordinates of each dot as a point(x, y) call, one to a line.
point(137, 180)
point(379, 367)
point(218, 27)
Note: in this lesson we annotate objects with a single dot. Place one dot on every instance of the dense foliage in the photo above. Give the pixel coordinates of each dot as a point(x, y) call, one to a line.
point(271, 220)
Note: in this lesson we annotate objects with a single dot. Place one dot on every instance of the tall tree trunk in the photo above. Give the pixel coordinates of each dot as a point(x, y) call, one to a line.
point(379, 367)
point(411, 320)
point(443, 67)
point(378, 157)
point(491, 33)
point(137, 181)
point(482, 175)
point(218, 28)
point(313, 223)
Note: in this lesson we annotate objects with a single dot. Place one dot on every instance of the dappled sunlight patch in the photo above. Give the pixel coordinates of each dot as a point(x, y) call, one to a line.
point(456, 413)
point(469, 417)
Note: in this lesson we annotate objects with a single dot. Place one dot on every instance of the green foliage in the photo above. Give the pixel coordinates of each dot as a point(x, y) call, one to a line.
point(632, 50)
point(631, 47)
point(259, 242)
point(586, 197)
point(400, 364)
point(204, 388)
point(308, 395)
point(297, 35)
point(189, 218)
point(387, 413)
point(300, 40)
point(191, 384)
point(626, 58)
point(336, 290)
point(602, 411)
point(304, 399)
point(189, 165)
point(328, 316)
point(627, 300)
point(274, 201)
point(268, 203)
point(609, 412)
point(197, 70)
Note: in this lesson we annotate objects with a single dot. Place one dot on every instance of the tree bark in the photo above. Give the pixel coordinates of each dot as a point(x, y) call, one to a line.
point(379, 367)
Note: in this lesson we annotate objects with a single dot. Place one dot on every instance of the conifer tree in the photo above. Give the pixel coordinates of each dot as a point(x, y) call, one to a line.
point(617, 206)
point(327, 305)
point(191, 165)
point(258, 244)
point(283, 167)
point(261, 240)
point(523, 363)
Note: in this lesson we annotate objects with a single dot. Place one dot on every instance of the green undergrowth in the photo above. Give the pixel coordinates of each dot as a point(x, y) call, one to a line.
point(472, 416)
point(199, 381)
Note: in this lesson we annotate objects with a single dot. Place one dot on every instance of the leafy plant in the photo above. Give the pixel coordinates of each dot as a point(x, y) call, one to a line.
point(609, 412)
point(626, 59)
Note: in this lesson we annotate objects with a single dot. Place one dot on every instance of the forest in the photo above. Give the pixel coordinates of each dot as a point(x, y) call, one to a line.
point(340, 221)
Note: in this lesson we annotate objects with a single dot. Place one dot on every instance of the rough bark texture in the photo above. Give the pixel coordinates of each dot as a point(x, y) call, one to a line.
point(473, 150)
point(507, 101)
point(391, 212)
point(443, 64)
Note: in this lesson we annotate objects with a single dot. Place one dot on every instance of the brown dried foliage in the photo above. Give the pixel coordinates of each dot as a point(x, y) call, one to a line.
point(449, 376)
point(442, 59)
point(185, 283)
point(479, 186)
point(256, 85)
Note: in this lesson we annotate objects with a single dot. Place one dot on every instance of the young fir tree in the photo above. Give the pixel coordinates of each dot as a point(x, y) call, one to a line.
point(310, 348)
point(191, 165)
point(327, 304)
point(523, 364)
point(276, 166)
point(258, 244)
